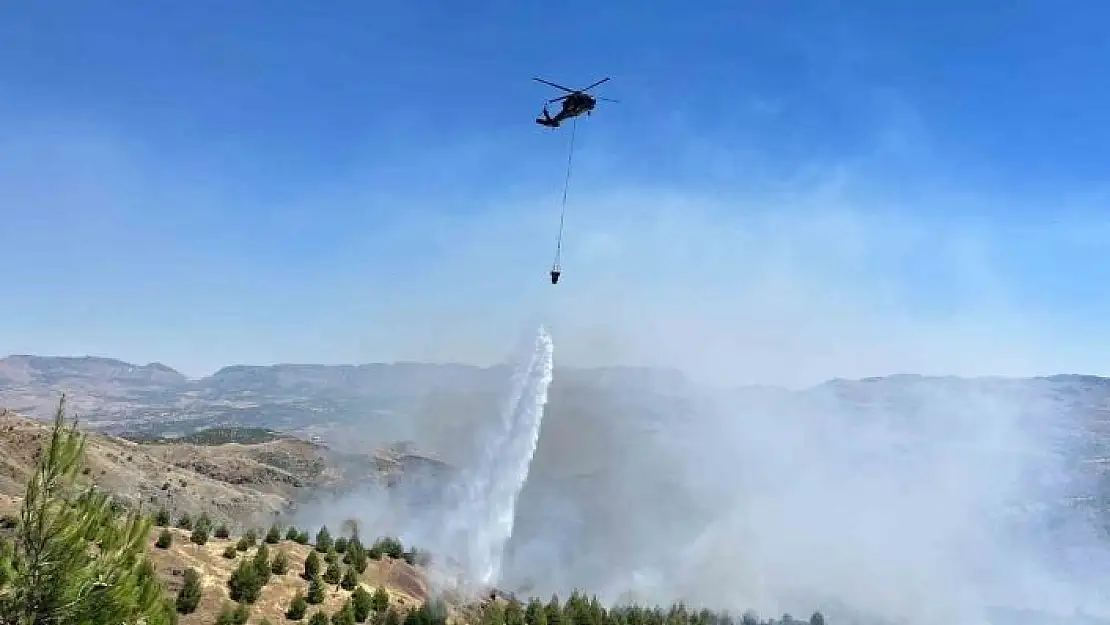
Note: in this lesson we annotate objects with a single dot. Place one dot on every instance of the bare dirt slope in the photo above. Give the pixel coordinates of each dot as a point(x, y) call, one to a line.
point(244, 484)
point(247, 484)
point(405, 583)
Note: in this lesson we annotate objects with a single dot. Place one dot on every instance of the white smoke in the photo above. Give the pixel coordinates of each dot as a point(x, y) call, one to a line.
point(913, 500)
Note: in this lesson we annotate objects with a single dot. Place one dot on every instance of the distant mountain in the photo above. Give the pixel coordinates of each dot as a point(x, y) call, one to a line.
point(344, 404)
point(52, 370)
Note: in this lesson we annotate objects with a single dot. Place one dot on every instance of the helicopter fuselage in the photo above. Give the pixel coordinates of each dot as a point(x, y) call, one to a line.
point(576, 104)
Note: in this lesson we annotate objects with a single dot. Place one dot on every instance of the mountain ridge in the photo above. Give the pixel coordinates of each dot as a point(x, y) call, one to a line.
point(671, 374)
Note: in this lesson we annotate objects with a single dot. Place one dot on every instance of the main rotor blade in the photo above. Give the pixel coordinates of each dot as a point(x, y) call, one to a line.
point(607, 100)
point(558, 99)
point(553, 84)
point(595, 84)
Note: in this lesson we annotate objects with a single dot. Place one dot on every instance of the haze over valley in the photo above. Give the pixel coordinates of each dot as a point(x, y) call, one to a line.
point(988, 491)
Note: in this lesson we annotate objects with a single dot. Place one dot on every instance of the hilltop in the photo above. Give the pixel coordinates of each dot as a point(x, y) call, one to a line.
point(404, 582)
point(242, 483)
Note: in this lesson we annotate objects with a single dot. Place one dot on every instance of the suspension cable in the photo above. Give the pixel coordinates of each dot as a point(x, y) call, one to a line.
point(566, 186)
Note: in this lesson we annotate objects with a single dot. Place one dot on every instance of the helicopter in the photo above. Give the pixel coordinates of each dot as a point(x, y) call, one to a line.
point(576, 102)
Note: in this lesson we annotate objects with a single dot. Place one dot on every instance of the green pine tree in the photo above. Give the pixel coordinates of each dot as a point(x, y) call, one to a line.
point(162, 517)
point(311, 566)
point(379, 602)
point(362, 603)
point(273, 536)
point(291, 533)
point(356, 554)
point(349, 580)
point(535, 614)
point(319, 618)
point(200, 534)
point(261, 564)
point(245, 584)
point(189, 596)
point(222, 532)
point(553, 611)
point(494, 614)
point(315, 591)
point(51, 574)
point(332, 575)
point(514, 613)
point(323, 540)
point(298, 606)
point(165, 539)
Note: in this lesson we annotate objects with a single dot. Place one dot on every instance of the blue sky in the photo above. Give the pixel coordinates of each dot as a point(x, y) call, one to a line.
point(788, 191)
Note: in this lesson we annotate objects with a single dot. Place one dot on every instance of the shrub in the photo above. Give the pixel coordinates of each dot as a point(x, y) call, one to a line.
point(241, 614)
point(379, 602)
point(332, 575)
point(165, 539)
point(189, 596)
point(344, 616)
point(297, 607)
point(280, 564)
point(226, 615)
point(350, 579)
point(199, 535)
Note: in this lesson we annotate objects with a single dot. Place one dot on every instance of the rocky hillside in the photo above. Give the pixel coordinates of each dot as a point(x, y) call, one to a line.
point(242, 483)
